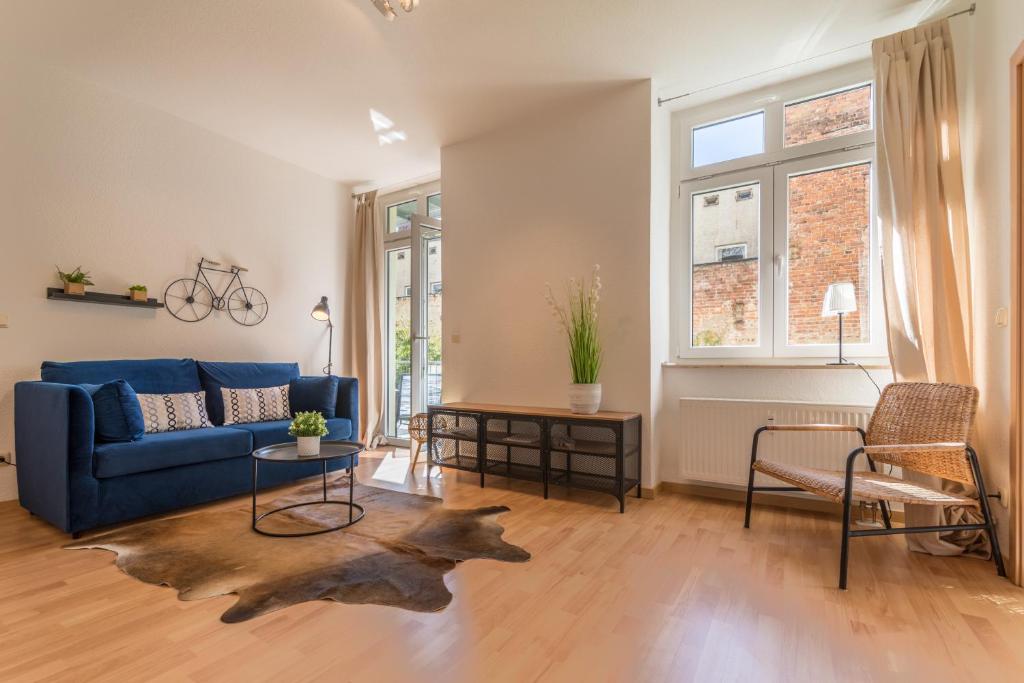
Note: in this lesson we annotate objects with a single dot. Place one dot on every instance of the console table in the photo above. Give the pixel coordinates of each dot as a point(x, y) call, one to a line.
point(600, 452)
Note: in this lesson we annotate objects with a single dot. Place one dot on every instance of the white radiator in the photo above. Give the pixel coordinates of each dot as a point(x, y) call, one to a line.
point(715, 437)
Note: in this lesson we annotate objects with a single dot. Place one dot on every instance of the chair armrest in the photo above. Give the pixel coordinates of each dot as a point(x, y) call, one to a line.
point(54, 430)
point(812, 428)
point(348, 403)
point(915, 448)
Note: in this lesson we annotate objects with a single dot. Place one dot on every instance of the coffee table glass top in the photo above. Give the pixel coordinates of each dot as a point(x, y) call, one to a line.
point(289, 452)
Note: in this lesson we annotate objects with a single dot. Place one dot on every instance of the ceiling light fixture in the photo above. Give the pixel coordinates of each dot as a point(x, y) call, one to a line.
point(387, 7)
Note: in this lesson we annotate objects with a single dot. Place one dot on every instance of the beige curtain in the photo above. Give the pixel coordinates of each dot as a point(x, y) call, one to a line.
point(364, 322)
point(925, 258)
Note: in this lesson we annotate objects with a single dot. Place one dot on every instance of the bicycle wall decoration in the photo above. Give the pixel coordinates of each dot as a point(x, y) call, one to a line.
point(192, 299)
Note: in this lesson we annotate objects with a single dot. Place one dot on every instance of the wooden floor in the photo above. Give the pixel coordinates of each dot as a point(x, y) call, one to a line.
point(674, 590)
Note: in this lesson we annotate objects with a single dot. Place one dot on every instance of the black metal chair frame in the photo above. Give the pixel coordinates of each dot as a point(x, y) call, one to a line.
point(988, 525)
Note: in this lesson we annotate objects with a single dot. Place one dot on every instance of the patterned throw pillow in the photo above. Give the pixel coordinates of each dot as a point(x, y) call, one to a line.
point(173, 412)
point(255, 405)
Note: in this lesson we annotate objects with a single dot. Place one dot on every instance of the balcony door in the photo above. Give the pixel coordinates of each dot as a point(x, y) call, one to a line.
point(414, 302)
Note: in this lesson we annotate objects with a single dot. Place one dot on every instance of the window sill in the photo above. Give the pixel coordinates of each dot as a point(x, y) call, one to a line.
point(777, 363)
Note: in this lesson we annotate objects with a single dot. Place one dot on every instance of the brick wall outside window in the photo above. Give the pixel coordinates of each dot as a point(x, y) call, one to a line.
point(827, 117)
point(725, 310)
point(828, 242)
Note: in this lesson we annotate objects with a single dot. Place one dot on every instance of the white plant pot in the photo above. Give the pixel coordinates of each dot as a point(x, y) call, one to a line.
point(308, 445)
point(584, 399)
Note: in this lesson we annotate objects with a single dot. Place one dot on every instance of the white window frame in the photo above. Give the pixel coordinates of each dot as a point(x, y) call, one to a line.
point(770, 169)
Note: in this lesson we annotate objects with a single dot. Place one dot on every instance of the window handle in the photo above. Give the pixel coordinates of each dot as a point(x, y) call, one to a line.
point(780, 262)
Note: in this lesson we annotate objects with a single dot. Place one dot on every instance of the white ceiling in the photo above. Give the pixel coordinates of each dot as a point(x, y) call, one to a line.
point(297, 78)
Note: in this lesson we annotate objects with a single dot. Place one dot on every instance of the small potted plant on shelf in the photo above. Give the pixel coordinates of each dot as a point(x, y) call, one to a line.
point(75, 281)
point(307, 428)
point(138, 293)
point(578, 319)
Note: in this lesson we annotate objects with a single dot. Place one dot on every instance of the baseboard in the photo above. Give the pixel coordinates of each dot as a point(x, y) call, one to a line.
point(794, 501)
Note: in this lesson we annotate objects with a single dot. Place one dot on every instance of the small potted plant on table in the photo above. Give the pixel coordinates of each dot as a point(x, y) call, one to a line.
point(308, 428)
point(138, 293)
point(75, 281)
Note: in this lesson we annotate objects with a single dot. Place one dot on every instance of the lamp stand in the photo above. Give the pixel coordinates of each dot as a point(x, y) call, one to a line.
point(330, 346)
point(840, 360)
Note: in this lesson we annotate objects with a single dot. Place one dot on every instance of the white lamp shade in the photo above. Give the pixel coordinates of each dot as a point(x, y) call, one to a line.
point(839, 298)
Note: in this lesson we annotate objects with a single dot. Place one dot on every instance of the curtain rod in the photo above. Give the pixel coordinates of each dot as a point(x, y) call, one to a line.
point(969, 11)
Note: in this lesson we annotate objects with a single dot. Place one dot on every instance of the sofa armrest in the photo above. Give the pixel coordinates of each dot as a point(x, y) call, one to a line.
point(348, 403)
point(53, 441)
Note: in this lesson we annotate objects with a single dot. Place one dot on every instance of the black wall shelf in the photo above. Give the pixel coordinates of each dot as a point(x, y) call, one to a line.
point(58, 294)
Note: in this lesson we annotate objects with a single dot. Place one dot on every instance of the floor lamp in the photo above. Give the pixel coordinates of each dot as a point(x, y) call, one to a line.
point(840, 298)
point(322, 312)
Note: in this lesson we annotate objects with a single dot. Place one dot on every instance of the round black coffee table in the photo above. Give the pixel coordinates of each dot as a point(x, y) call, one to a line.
point(288, 453)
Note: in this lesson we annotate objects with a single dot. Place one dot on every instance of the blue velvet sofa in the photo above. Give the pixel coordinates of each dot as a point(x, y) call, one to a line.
point(77, 483)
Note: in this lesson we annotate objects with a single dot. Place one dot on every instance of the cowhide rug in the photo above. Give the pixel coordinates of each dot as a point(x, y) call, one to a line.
point(396, 555)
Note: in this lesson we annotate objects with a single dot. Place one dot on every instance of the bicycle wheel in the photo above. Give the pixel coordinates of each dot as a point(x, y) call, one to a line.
point(188, 300)
point(248, 306)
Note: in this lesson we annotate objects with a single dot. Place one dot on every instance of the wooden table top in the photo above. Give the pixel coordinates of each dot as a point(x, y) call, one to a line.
point(609, 415)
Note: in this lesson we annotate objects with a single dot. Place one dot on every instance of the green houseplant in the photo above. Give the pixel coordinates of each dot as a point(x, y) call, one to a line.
point(138, 293)
point(74, 281)
point(578, 318)
point(308, 428)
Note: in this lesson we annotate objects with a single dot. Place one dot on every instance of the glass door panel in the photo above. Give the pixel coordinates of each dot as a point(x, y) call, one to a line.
point(399, 343)
point(426, 316)
point(433, 319)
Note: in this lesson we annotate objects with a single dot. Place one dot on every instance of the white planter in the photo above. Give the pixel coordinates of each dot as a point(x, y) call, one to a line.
point(584, 399)
point(308, 445)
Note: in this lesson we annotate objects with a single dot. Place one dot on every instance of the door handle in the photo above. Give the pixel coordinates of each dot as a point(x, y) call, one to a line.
point(780, 262)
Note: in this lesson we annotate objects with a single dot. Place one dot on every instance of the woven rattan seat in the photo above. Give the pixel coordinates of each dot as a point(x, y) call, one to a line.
point(916, 426)
point(866, 485)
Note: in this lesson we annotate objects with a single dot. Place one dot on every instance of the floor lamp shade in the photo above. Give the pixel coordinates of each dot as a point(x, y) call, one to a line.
point(322, 312)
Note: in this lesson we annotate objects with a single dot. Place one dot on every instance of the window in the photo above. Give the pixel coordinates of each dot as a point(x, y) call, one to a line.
point(828, 116)
point(398, 215)
point(742, 136)
point(732, 252)
point(434, 205)
point(764, 233)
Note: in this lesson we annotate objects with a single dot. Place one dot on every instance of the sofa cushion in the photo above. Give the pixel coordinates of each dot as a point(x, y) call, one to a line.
point(157, 376)
point(216, 376)
point(174, 412)
point(270, 433)
point(117, 410)
point(318, 394)
point(170, 449)
point(242, 406)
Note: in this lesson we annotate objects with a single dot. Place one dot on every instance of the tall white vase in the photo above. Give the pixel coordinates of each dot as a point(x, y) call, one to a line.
point(584, 399)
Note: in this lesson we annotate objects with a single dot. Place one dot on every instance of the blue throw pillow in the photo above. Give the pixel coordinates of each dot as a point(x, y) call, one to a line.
point(117, 410)
point(314, 393)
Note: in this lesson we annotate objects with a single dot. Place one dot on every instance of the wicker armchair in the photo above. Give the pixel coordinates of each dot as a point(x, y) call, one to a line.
point(916, 426)
point(417, 433)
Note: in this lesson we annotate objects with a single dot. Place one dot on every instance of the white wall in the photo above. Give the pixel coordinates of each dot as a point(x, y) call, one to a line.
point(541, 201)
point(984, 44)
point(135, 195)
